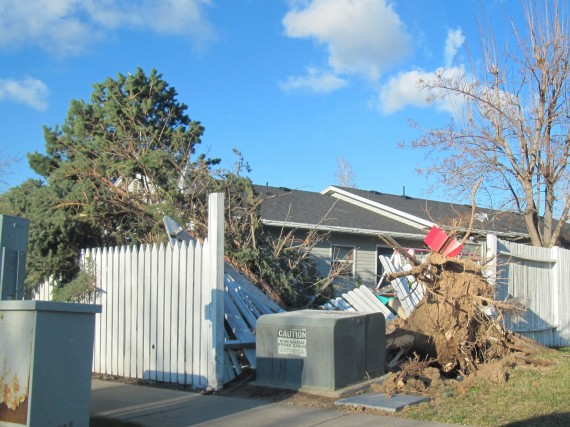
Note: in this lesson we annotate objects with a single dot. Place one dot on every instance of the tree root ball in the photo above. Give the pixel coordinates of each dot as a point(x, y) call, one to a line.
point(451, 327)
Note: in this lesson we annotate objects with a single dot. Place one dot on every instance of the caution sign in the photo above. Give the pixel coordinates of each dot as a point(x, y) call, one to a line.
point(292, 342)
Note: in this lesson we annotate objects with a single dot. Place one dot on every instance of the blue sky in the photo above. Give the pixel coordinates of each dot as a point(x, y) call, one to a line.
point(292, 84)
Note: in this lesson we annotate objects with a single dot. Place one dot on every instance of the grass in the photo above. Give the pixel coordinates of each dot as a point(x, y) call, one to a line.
point(533, 396)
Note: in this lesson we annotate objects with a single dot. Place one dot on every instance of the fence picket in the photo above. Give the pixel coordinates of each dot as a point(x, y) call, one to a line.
point(197, 372)
point(160, 313)
point(168, 308)
point(107, 311)
point(148, 311)
point(180, 271)
point(205, 325)
point(174, 313)
point(127, 298)
point(189, 321)
point(140, 289)
point(120, 310)
point(91, 255)
point(132, 312)
point(153, 314)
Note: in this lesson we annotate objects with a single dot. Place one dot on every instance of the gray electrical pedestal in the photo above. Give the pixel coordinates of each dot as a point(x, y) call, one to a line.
point(46, 348)
point(319, 350)
point(13, 249)
point(46, 354)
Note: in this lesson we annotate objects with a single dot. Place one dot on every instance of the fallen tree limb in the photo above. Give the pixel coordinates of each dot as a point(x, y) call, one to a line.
point(396, 246)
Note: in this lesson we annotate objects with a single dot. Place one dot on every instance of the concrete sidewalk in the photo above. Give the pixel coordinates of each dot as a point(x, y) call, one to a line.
point(152, 406)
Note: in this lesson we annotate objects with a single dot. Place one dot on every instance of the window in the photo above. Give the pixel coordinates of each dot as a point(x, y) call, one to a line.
point(343, 260)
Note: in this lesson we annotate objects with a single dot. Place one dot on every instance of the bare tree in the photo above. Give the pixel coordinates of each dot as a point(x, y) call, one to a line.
point(344, 173)
point(4, 171)
point(512, 125)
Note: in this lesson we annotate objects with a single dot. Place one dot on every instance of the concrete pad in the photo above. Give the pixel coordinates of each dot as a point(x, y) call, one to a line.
point(335, 394)
point(382, 402)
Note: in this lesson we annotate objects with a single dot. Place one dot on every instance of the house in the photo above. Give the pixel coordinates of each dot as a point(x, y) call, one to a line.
point(351, 221)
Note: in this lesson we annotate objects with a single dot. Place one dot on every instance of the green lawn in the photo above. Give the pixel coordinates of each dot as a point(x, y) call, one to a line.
point(533, 396)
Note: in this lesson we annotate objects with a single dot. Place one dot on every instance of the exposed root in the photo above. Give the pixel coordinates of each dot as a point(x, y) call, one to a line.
point(458, 327)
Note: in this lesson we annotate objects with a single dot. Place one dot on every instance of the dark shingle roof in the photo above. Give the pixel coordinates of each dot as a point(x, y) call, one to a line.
point(449, 214)
point(311, 208)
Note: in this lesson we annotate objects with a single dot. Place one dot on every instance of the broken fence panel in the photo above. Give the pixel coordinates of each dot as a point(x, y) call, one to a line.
point(377, 303)
point(341, 304)
point(409, 297)
point(362, 299)
point(269, 306)
point(240, 328)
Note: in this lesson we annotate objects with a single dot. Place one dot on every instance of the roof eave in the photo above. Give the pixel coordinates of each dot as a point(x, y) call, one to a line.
point(339, 229)
point(347, 196)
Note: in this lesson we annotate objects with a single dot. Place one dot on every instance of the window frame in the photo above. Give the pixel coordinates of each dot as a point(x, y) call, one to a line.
point(351, 250)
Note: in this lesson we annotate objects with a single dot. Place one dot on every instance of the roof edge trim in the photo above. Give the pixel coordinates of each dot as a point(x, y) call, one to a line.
point(362, 231)
point(332, 189)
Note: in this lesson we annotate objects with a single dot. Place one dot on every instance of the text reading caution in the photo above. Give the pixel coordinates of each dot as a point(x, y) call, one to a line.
point(292, 342)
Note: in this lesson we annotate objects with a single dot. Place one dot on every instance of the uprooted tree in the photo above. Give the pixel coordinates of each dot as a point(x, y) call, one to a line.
point(117, 165)
point(512, 122)
point(457, 329)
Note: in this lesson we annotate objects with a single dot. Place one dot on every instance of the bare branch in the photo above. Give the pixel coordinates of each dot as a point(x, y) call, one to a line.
point(515, 125)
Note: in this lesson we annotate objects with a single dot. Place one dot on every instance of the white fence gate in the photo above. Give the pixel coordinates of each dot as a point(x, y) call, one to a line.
point(540, 279)
point(163, 309)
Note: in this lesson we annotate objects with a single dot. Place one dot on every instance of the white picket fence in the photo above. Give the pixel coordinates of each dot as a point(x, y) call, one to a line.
point(540, 279)
point(163, 309)
point(149, 295)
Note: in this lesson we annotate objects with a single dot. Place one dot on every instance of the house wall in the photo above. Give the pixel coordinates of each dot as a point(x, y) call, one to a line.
point(365, 256)
point(366, 263)
point(367, 269)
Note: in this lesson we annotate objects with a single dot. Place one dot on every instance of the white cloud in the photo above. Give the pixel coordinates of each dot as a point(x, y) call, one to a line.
point(66, 27)
point(407, 89)
point(453, 43)
point(364, 37)
point(315, 81)
point(31, 92)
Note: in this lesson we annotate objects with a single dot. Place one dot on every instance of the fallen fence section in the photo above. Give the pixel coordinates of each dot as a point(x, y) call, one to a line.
point(244, 304)
point(407, 293)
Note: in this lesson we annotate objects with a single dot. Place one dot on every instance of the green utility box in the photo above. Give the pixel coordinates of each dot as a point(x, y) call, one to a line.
point(13, 250)
point(319, 350)
point(46, 356)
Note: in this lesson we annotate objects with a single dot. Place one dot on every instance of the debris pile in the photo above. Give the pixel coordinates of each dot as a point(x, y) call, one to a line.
point(449, 325)
point(457, 326)
point(456, 331)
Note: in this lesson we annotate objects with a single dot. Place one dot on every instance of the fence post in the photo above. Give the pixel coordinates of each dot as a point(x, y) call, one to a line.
point(556, 278)
point(215, 310)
